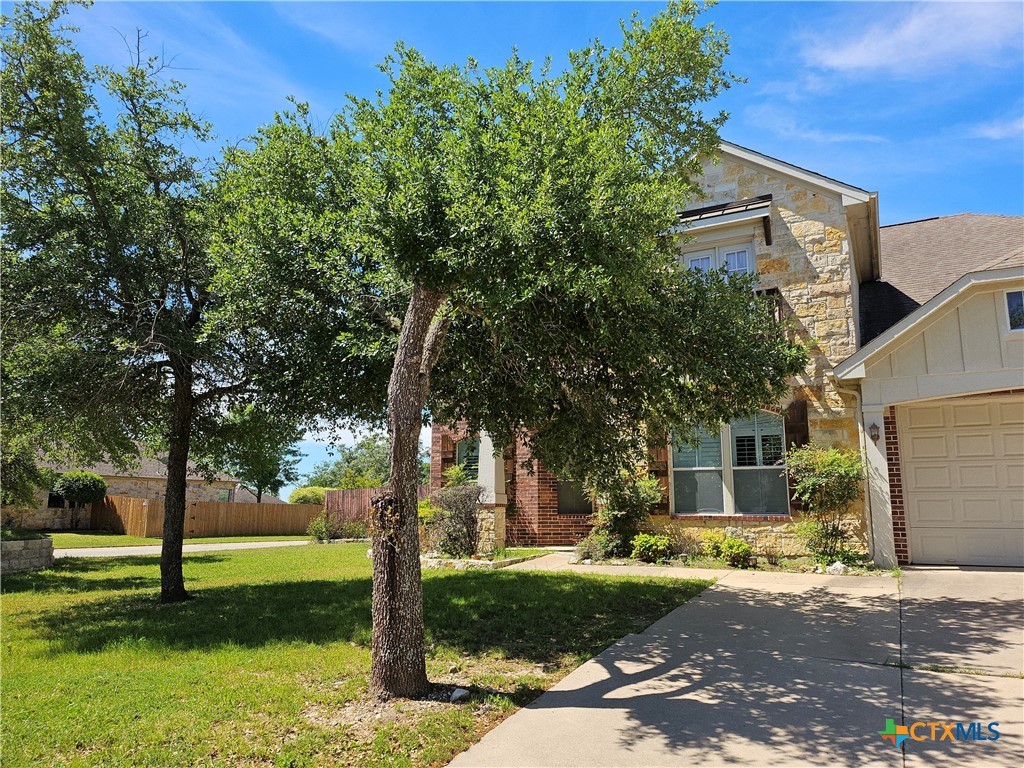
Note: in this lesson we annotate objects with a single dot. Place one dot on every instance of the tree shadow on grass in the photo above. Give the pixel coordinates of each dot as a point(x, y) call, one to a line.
point(75, 574)
point(534, 616)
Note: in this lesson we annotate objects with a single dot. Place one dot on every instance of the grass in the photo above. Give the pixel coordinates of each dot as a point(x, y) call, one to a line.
point(20, 534)
point(269, 665)
point(65, 540)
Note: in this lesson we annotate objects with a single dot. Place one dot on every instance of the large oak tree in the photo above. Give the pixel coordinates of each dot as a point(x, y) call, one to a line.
point(492, 245)
point(106, 226)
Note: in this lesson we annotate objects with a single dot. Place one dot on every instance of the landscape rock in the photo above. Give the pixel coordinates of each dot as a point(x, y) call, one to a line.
point(837, 569)
point(459, 695)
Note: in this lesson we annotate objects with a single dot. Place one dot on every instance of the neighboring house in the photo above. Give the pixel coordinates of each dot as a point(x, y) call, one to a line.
point(883, 331)
point(146, 480)
point(246, 495)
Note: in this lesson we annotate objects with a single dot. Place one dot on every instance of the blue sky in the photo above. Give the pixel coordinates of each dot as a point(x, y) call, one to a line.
point(921, 102)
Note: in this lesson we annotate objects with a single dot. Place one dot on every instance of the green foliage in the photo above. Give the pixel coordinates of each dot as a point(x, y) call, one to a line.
point(425, 512)
point(827, 481)
point(626, 507)
point(530, 204)
point(457, 475)
point(736, 552)
point(453, 527)
point(80, 488)
point(651, 548)
point(362, 465)
point(321, 529)
point(258, 448)
point(309, 494)
point(712, 542)
point(20, 477)
point(599, 544)
point(17, 534)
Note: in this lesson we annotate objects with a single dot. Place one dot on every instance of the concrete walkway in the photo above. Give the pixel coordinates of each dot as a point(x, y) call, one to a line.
point(155, 549)
point(779, 669)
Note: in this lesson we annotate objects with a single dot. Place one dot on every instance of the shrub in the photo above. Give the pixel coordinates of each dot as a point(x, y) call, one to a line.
point(626, 505)
point(457, 475)
point(711, 543)
point(351, 529)
point(827, 481)
point(425, 511)
point(80, 488)
point(736, 552)
point(310, 494)
point(22, 478)
point(320, 528)
point(599, 544)
point(651, 548)
point(453, 526)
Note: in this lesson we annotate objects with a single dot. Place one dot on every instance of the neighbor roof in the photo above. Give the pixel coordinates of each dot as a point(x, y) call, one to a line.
point(919, 259)
point(147, 467)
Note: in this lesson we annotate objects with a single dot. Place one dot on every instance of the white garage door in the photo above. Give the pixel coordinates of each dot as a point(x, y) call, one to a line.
point(963, 480)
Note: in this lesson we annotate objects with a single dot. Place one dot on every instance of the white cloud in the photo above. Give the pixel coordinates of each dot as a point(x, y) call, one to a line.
point(923, 39)
point(336, 23)
point(1011, 128)
point(779, 122)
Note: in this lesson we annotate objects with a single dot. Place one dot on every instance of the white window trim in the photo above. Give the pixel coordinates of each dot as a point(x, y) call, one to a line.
point(728, 493)
point(717, 250)
point(1006, 311)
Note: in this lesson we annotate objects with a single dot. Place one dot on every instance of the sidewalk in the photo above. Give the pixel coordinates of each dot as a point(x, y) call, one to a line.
point(155, 549)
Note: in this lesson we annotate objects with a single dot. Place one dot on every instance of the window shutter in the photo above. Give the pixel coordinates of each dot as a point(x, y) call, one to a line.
point(797, 431)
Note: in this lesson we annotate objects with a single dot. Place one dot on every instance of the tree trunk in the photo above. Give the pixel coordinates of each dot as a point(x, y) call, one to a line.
point(398, 665)
point(259, 495)
point(172, 581)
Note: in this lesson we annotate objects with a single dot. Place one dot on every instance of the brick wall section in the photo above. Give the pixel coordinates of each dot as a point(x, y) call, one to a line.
point(892, 457)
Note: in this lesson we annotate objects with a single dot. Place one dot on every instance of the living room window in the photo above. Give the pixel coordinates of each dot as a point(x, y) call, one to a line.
point(740, 470)
point(1015, 309)
point(573, 499)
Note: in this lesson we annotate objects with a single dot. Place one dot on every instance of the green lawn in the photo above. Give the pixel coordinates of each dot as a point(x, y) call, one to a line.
point(65, 540)
point(268, 666)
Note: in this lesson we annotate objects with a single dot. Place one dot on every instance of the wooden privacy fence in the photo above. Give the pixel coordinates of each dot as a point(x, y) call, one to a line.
point(354, 504)
point(145, 517)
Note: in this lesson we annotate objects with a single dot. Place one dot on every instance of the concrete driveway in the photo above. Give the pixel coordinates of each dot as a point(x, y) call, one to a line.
point(790, 670)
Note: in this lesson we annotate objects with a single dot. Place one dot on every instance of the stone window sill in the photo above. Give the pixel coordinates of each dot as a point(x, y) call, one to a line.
point(738, 518)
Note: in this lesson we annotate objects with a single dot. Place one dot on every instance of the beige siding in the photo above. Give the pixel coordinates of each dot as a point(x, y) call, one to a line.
point(967, 348)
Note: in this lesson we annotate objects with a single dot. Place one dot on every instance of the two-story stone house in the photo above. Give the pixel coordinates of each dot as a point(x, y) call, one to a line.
point(869, 302)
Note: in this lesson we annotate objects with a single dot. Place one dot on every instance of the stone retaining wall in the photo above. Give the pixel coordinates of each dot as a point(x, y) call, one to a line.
point(28, 555)
point(490, 526)
point(46, 518)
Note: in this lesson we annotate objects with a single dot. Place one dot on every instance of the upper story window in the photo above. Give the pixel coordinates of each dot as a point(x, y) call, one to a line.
point(1015, 309)
point(734, 259)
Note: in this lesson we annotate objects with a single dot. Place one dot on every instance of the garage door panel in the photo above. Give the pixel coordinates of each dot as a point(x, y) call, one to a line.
point(971, 476)
point(973, 415)
point(973, 446)
point(929, 446)
point(963, 469)
point(935, 476)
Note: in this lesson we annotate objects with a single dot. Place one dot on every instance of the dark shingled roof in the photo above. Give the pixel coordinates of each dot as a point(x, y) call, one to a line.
point(921, 258)
point(145, 467)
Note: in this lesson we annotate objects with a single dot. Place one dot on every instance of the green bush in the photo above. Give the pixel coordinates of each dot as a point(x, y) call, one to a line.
point(712, 541)
point(21, 477)
point(827, 481)
point(351, 529)
point(310, 494)
point(425, 512)
point(453, 526)
point(736, 552)
point(457, 475)
point(320, 528)
point(600, 544)
point(625, 506)
point(651, 548)
point(80, 488)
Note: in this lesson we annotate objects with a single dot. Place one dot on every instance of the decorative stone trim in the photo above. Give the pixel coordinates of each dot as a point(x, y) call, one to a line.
point(27, 555)
point(442, 563)
point(738, 518)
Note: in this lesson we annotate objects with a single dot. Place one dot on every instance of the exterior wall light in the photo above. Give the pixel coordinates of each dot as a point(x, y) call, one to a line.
point(874, 433)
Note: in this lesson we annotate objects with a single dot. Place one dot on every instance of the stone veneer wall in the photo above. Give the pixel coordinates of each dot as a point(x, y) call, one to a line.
point(490, 526)
point(28, 555)
point(156, 488)
point(46, 518)
point(810, 263)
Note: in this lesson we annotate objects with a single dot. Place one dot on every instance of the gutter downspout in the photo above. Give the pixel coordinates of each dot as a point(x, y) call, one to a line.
point(863, 452)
